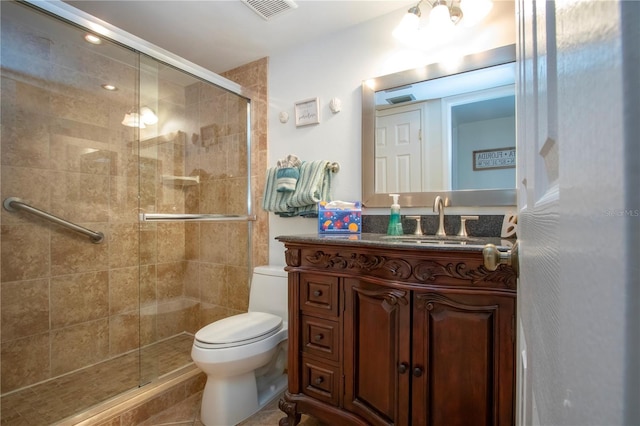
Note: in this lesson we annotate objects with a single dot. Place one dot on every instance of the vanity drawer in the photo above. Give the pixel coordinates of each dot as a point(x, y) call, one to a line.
point(320, 380)
point(319, 294)
point(320, 337)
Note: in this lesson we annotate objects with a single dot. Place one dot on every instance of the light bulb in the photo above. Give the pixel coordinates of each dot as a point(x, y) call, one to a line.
point(408, 26)
point(439, 18)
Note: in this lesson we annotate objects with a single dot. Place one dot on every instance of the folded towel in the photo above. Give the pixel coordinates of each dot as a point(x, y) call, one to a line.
point(314, 185)
point(287, 173)
point(286, 179)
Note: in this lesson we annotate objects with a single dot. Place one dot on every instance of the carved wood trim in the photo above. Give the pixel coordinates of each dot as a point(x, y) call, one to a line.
point(422, 271)
point(366, 262)
point(429, 301)
point(429, 270)
point(292, 257)
point(392, 298)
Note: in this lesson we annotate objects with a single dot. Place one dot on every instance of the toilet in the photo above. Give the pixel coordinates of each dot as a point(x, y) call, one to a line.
point(245, 356)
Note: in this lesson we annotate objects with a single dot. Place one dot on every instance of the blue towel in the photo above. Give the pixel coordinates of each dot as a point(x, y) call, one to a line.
point(313, 185)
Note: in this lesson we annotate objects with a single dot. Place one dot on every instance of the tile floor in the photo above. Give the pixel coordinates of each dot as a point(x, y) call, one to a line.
point(187, 413)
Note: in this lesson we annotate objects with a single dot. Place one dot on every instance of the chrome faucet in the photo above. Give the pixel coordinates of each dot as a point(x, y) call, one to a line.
point(438, 207)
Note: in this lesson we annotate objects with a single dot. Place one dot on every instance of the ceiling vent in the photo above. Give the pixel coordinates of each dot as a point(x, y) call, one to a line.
point(267, 9)
point(400, 99)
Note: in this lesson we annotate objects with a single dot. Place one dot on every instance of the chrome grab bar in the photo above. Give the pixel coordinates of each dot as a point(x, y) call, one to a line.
point(13, 204)
point(180, 217)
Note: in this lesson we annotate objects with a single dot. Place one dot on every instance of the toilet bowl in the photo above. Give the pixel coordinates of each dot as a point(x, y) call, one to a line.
point(245, 356)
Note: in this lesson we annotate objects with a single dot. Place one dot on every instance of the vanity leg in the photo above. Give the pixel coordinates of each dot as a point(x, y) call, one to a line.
point(289, 408)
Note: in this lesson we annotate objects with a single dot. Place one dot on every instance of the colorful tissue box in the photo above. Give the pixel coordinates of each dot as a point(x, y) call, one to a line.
point(333, 220)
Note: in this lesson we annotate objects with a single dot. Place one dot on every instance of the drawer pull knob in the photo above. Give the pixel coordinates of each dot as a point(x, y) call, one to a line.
point(402, 368)
point(318, 337)
point(317, 293)
point(417, 372)
point(319, 380)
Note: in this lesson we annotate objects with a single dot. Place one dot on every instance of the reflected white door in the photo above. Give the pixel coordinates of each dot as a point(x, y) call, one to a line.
point(578, 222)
point(398, 150)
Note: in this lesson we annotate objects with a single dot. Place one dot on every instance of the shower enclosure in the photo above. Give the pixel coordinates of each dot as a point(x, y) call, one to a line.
point(127, 211)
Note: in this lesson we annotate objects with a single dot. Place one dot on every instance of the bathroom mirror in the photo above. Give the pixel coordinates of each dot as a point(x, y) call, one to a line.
point(442, 130)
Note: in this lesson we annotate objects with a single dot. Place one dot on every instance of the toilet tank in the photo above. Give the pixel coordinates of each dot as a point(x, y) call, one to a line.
point(269, 291)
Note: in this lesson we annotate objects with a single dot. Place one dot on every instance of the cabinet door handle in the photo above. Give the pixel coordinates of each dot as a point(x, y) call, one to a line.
point(417, 372)
point(319, 380)
point(318, 337)
point(317, 293)
point(402, 368)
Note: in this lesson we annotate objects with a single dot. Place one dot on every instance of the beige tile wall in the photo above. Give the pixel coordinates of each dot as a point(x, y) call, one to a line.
point(66, 303)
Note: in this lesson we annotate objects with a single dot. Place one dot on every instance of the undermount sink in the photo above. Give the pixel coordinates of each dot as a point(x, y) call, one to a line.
point(429, 239)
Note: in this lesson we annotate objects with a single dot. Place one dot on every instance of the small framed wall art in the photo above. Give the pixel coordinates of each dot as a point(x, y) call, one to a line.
point(307, 112)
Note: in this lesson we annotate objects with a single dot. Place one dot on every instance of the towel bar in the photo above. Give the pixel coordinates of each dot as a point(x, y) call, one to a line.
point(181, 217)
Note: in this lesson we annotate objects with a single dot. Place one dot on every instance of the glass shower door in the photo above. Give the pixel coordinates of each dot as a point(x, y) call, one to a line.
point(70, 319)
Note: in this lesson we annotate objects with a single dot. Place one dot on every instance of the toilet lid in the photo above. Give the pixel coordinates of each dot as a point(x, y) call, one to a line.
point(239, 330)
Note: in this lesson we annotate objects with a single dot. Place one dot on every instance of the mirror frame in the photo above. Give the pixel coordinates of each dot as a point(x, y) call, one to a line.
point(458, 198)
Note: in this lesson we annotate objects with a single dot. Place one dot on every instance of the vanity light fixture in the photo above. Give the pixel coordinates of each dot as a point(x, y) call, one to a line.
point(444, 15)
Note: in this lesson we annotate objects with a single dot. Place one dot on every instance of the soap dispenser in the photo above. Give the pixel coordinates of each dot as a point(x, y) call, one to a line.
point(395, 222)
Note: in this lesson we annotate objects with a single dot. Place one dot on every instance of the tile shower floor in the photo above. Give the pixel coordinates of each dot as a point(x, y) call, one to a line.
point(56, 399)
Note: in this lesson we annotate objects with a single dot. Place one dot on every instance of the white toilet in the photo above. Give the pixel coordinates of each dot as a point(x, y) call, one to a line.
point(245, 356)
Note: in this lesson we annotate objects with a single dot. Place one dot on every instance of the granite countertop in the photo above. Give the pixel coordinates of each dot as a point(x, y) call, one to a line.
point(424, 242)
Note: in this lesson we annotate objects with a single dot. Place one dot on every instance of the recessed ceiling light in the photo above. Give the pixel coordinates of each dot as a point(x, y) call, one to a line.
point(90, 38)
point(109, 87)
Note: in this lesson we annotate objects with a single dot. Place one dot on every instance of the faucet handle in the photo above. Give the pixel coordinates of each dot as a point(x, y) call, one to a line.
point(463, 225)
point(418, 230)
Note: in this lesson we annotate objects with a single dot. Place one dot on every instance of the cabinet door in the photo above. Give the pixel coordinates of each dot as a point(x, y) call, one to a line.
point(462, 372)
point(376, 352)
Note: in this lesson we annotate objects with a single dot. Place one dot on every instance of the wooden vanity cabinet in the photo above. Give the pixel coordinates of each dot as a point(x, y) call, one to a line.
point(381, 336)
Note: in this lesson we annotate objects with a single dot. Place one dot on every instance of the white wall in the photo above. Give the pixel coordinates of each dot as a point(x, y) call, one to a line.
point(335, 67)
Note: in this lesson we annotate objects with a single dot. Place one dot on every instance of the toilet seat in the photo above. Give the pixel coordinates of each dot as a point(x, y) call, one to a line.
point(238, 330)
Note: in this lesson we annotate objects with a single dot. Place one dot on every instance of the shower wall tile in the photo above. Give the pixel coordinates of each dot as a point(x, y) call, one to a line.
point(148, 285)
point(25, 252)
point(212, 283)
point(79, 345)
point(80, 155)
point(238, 245)
point(79, 298)
point(124, 333)
point(123, 200)
point(192, 281)
point(175, 317)
point(123, 245)
point(24, 361)
point(214, 242)
point(237, 198)
point(72, 253)
point(124, 293)
point(148, 325)
point(171, 245)
point(192, 240)
point(80, 197)
point(237, 288)
point(25, 139)
point(76, 106)
point(148, 243)
point(170, 284)
point(30, 185)
point(25, 308)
